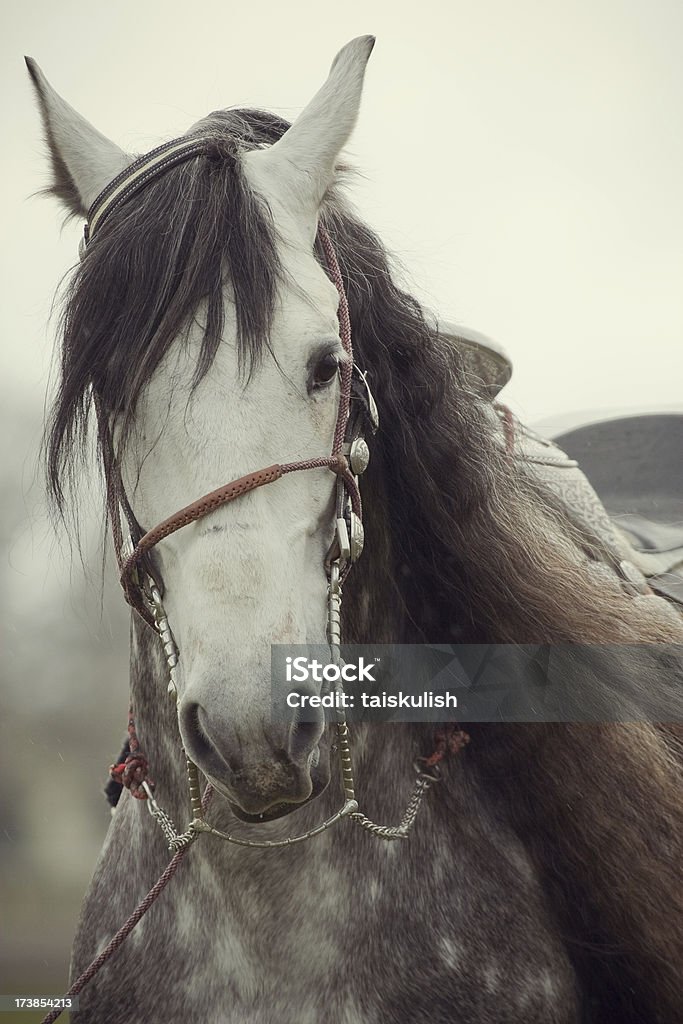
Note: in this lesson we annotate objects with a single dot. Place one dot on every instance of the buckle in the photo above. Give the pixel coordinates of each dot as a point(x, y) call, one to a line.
point(356, 537)
point(349, 539)
point(343, 551)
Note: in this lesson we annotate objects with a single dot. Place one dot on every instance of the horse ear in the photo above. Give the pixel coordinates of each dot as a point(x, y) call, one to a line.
point(83, 160)
point(299, 167)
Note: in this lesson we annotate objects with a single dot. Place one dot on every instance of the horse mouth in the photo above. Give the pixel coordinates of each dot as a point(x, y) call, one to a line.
point(276, 810)
point(272, 814)
point(264, 783)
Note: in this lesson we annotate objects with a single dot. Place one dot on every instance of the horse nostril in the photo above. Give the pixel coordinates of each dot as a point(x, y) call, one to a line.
point(304, 736)
point(198, 740)
point(259, 764)
point(192, 726)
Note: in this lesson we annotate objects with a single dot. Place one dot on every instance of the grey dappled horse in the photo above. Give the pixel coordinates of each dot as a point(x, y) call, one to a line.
point(541, 880)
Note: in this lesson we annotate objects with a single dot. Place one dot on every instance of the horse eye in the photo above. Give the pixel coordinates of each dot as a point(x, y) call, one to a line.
point(325, 370)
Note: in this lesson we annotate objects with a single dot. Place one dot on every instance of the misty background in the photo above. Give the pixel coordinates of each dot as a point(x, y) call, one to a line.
point(525, 163)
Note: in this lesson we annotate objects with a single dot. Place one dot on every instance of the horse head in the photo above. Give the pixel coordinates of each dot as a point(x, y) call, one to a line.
point(206, 329)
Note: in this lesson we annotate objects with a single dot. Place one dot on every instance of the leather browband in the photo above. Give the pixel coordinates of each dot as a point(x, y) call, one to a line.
point(136, 175)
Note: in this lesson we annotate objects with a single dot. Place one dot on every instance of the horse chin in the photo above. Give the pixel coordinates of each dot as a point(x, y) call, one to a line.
point(273, 813)
point(319, 779)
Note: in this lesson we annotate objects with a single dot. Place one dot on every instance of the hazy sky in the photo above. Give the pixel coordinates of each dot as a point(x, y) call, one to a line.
point(525, 160)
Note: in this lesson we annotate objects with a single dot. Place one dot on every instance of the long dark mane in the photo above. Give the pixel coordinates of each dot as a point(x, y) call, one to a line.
point(463, 542)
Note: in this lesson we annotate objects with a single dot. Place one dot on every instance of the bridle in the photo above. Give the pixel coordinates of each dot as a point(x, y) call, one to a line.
point(143, 588)
point(349, 457)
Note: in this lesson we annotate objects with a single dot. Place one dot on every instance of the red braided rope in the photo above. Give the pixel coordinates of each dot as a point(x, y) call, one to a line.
point(448, 740)
point(132, 772)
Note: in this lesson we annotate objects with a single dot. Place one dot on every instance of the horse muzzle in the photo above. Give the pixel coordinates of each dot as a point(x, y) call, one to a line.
point(265, 770)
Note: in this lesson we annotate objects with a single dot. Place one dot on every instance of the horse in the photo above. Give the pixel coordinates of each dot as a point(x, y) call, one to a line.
point(204, 337)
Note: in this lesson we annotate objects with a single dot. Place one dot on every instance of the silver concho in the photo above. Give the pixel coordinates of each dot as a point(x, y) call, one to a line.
point(359, 456)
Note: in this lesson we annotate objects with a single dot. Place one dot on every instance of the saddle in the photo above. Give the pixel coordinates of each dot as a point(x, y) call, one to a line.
point(618, 477)
point(635, 466)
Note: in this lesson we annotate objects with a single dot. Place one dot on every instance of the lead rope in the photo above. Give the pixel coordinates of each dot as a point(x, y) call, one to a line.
point(122, 934)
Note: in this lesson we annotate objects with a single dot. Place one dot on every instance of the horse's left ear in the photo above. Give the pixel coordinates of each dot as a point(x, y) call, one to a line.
point(300, 166)
point(83, 160)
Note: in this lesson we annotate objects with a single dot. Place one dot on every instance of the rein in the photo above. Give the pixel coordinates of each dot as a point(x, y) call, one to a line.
point(143, 589)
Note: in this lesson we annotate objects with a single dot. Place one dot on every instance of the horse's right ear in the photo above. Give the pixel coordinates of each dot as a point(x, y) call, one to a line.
point(83, 160)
